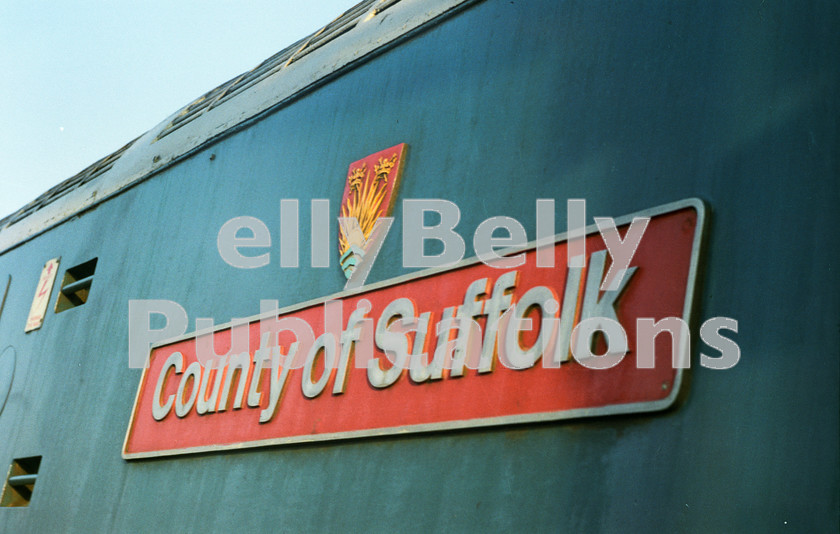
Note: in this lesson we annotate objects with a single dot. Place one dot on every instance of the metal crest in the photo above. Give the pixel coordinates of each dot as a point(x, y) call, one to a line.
point(369, 194)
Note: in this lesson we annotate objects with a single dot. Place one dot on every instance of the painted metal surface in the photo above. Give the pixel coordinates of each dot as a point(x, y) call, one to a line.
point(625, 105)
point(5, 287)
point(7, 373)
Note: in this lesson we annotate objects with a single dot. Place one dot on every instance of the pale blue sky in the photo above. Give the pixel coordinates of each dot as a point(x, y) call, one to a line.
point(81, 79)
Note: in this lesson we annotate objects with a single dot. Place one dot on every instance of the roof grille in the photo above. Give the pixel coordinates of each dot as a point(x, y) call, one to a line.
point(65, 187)
point(344, 23)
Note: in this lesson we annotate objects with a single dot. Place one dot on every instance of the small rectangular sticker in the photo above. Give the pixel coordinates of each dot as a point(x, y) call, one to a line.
point(42, 295)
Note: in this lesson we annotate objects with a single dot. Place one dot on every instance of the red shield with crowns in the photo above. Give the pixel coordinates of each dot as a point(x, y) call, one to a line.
point(369, 193)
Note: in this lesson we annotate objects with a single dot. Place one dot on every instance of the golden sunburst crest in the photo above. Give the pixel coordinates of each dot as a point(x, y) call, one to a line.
point(365, 205)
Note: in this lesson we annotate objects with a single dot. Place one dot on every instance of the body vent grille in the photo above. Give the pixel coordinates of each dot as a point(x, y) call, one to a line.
point(20, 482)
point(75, 286)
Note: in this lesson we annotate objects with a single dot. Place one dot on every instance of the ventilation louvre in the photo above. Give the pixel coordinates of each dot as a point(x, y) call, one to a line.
point(20, 482)
point(75, 287)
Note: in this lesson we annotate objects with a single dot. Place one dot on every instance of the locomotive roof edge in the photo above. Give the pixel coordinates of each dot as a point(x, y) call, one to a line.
point(355, 36)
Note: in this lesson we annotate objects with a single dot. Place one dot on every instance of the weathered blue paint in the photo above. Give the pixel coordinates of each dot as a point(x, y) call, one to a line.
point(626, 105)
